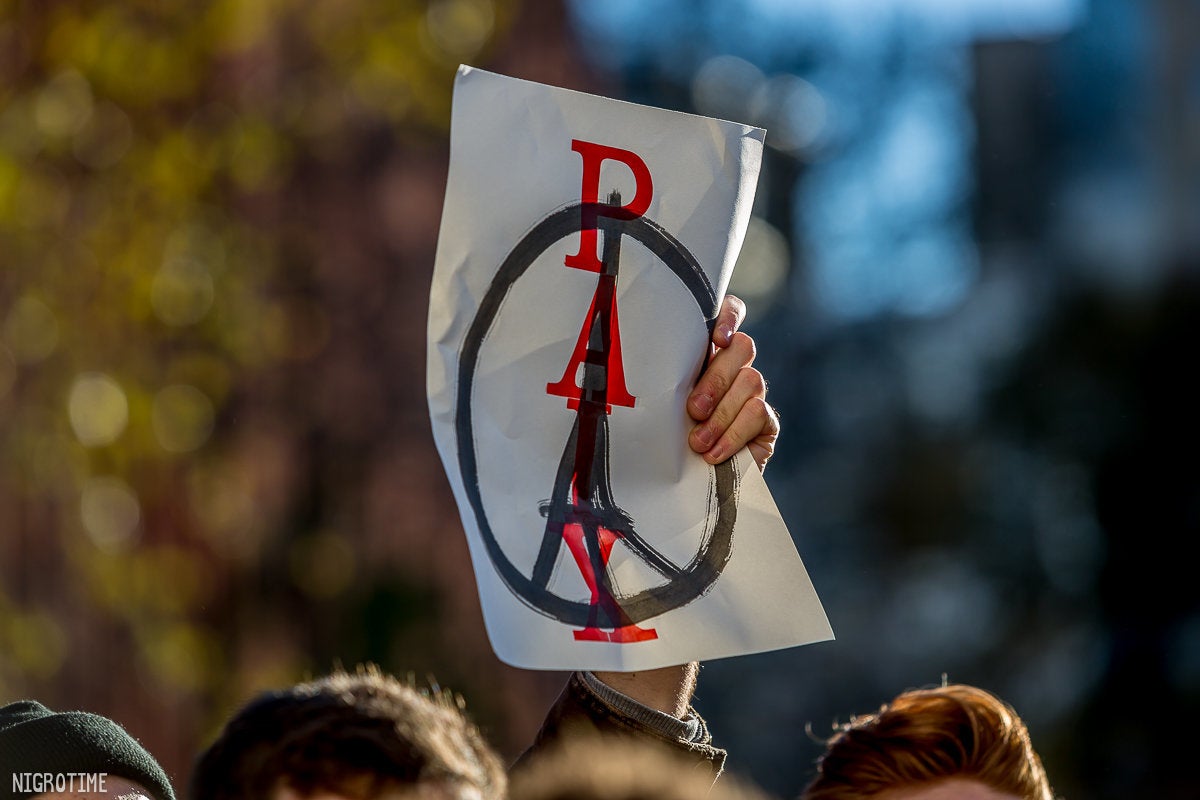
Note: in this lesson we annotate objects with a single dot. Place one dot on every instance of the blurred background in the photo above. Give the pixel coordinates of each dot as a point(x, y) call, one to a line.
point(973, 274)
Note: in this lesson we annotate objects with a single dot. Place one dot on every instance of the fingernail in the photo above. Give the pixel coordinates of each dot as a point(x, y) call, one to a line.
point(726, 332)
point(716, 454)
point(703, 404)
point(704, 435)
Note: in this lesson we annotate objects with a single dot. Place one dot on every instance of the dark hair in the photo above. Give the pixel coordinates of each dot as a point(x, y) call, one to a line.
point(924, 736)
point(353, 734)
point(609, 767)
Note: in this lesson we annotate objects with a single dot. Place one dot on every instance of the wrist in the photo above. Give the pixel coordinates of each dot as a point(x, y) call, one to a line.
point(667, 690)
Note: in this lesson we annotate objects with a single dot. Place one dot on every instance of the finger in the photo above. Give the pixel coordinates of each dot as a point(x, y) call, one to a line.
point(756, 427)
point(748, 385)
point(729, 319)
point(722, 370)
point(762, 446)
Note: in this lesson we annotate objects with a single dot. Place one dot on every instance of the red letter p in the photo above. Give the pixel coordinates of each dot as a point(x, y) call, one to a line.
point(593, 156)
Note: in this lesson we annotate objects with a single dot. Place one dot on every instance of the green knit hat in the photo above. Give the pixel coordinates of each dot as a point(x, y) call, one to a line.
point(33, 739)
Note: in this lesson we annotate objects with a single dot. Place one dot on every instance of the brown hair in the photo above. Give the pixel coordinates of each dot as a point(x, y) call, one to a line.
point(353, 734)
point(927, 735)
point(609, 767)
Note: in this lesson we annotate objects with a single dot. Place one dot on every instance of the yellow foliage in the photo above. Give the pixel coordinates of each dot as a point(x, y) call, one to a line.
point(154, 270)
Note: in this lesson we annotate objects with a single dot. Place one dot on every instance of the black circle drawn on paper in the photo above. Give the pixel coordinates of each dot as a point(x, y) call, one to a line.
point(695, 579)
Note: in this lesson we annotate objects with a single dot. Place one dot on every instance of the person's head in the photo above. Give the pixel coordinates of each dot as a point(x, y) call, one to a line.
point(359, 736)
point(954, 741)
point(606, 767)
point(73, 754)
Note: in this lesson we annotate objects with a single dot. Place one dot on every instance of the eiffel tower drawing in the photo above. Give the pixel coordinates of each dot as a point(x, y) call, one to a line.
point(581, 511)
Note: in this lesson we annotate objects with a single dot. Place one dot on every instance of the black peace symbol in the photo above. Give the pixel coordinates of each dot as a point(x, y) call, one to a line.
point(688, 582)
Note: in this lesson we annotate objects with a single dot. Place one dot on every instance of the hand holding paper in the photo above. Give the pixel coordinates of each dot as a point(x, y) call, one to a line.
point(584, 250)
point(729, 401)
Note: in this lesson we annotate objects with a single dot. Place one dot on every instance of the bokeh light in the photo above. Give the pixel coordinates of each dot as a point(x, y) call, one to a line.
point(98, 409)
point(35, 641)
point(724, 86)
point(793, 111)
point(182, 418)
point(460, 27)
point(64, 106)
point(110, 513)
point(182, 292)
point(30, 330)
point(763, 265)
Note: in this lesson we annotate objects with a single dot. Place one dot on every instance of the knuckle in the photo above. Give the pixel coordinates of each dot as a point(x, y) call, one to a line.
point(744, 345)
point(771, 427)
point(765, 420)
point(754, 382)
point(722, 418)
point(716, 383)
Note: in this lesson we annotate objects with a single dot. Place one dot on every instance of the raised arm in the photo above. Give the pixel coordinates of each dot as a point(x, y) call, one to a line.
point(729, 405)
point(730, 409)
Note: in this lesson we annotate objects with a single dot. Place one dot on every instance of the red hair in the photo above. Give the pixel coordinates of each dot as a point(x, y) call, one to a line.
point(925, 736)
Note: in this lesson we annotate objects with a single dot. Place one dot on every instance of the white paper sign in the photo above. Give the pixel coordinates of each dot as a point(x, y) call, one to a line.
point(584, 250)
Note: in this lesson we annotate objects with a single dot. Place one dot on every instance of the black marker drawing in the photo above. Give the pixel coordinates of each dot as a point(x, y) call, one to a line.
point(581, 511)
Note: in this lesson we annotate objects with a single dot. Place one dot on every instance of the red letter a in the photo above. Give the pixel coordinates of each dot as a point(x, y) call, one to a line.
point(607, 356)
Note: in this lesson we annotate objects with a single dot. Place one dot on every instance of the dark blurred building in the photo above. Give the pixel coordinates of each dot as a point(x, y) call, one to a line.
point(973, 276)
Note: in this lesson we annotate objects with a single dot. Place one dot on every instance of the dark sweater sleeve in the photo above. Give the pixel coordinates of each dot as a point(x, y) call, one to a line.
point(587, 706)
